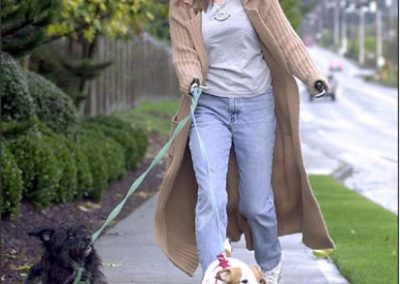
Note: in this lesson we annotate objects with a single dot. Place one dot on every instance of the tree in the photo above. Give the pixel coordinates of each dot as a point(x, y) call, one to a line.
point(89, 19)
point(24, 24)
point(82, 22)
point(293, 12)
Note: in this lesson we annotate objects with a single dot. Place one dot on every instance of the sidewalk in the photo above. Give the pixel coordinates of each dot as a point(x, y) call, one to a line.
point(130, 254)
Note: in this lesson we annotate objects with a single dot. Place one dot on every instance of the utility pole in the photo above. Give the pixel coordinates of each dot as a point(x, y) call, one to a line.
point(343, 49)
point(336, 23)
point(361, 54)
point(379, 58)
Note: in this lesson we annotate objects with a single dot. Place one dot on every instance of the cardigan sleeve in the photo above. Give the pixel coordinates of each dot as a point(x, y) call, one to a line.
point(296, 54)
point(184, 56)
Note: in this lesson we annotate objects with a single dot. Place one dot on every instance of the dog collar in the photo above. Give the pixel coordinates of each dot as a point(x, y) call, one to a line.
point(223, 262)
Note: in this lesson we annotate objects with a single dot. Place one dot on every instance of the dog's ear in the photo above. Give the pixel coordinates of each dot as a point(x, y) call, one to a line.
point(42, 234)
point(230, 275)
point(258, 274)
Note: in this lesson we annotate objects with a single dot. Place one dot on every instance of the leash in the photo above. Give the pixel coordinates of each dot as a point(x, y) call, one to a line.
point(196, 92)
point(156, 161)
point(79, 276)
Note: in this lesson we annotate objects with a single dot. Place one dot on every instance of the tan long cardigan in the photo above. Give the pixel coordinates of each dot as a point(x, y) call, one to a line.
point(296, 207)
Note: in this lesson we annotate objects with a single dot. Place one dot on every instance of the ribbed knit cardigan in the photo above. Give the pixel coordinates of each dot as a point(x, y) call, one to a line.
point(296, 207)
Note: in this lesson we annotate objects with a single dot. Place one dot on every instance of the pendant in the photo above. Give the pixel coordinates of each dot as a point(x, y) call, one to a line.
point(222, 16)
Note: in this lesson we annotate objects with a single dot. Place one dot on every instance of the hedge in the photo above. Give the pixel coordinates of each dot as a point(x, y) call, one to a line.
point(106, 159)
point(11, 182)
point(48, 156)
point(41, 171)
point(134, 141)
point(16, 102)
point(84, 176)
point(53, 107)
point(67, 187)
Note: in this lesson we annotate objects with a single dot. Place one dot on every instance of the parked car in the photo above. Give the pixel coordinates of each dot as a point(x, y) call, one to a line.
point(332, 90)
point(335, 66)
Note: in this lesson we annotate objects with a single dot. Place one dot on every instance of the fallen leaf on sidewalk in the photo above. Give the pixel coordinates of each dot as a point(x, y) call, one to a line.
point(143, 194)
point(89, 206)
point(323, 252)
point(114, 264)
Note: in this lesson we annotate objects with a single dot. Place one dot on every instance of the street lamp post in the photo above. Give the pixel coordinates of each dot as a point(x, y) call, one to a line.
point(336, 23)
point(343, 49)
point(361, 31)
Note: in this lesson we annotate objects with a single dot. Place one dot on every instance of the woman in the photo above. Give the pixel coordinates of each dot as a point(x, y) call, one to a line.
point(246, 53)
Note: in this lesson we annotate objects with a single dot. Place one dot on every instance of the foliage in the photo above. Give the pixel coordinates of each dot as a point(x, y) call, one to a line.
point(16, 102)
point(68, 183)
point(88, 142)
point(48, 62)
point(24, 24)
point(133, 140)
point(159, 26)
point(111, 18)
point(292, 9)
point(106, 159)
point(356, 224)
point(53, 106)
point(41, 171)
point(84, 176)
point(11, 182)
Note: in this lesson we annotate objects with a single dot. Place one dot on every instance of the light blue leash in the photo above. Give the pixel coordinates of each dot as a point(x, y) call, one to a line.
point(158, 158)
point(215, 213)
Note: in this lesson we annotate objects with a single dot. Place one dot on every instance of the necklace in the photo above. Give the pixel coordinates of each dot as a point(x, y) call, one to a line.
point(221, 14)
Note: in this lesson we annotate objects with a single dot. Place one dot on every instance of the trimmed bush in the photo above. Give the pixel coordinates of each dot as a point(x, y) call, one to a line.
point(84, 176)
point(142, 139)
point(53, 107)
point(16, 102)
point(41, 171)
point(68, 184)
point(134, 141)
point(11, 182)
point(106, 159)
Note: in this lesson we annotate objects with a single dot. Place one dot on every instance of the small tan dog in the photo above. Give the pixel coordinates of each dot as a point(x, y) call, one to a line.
point(228, 270)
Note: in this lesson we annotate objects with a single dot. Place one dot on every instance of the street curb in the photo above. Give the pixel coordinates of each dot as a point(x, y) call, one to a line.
point(343, 172)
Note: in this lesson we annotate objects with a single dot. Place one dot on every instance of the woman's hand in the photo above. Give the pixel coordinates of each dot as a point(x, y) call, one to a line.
point(195, 84)
point(322, 88)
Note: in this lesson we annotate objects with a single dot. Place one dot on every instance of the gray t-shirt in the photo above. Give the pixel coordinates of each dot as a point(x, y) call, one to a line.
point(237, 67)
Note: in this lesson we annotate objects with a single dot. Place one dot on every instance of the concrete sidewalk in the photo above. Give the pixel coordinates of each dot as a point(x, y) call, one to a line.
point(130, 254)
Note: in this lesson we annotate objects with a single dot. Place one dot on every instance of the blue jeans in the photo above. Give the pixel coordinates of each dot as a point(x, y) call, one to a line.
point(247, 124)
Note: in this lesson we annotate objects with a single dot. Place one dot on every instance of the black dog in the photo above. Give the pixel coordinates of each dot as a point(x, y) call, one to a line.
point(66, 251)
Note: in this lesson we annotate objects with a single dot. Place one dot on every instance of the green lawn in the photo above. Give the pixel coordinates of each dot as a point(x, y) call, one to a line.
point(366, 235)
point(152, 116)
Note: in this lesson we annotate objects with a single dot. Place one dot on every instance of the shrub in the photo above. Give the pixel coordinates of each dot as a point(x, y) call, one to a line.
point(11, 182)
point(84, 177)
point(124, 138)
point(134, 141)
point(106, 159)
point(41, 171)
point(142, 139)
point(53, 106)
point(67, 186)
point(16, 102)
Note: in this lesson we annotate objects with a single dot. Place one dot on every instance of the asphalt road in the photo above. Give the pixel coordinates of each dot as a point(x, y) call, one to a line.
point(359, 128)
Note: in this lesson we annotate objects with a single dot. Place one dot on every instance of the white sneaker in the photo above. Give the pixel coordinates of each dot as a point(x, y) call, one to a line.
point(274, 275)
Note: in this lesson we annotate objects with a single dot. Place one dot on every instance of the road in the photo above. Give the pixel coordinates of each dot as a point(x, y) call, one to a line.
point(359, 129)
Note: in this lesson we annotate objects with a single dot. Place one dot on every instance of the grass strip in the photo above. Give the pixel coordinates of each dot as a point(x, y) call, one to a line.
point(153, 117)
point(366, 235)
